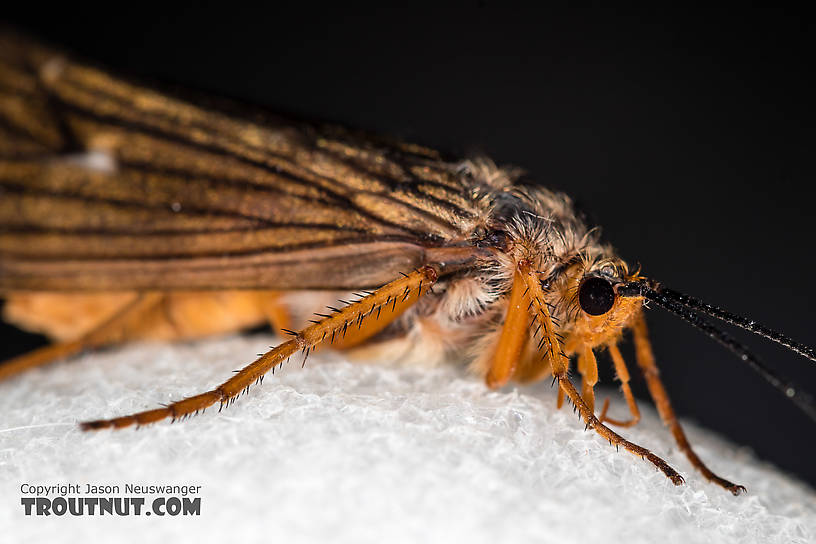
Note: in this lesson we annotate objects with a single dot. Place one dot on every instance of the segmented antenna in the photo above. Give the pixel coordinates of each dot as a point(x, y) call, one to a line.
point(684, 307)
point(748, 324)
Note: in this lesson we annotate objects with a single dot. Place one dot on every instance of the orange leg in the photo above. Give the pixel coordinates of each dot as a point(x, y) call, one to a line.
point(646, 361)
point(363, 329)
point(109, 332)
point(330, 329)
point(531, 367)
point(588, 367)
point(513, 336)
point(560, 364)
point(623, 377)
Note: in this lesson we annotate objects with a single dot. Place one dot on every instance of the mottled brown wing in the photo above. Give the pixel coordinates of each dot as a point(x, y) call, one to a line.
point(107, 184)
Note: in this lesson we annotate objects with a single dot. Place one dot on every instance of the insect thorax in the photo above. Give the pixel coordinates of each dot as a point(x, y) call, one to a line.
point(463, 318)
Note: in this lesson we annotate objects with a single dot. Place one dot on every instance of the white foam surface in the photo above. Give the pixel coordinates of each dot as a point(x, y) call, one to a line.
point(344, 452)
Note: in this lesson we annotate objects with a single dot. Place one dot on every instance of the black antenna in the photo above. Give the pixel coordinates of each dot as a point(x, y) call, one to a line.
point(741, 322)
point(684, 306)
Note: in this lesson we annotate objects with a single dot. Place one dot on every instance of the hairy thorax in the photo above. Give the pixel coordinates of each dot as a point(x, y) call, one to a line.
point(463, 318)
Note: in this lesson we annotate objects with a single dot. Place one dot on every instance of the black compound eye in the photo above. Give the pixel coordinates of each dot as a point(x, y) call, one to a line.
point(596, 296)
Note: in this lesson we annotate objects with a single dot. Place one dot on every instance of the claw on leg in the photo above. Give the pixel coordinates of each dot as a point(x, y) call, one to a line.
point(646, 361)
point(615, 438)
point(560, 365)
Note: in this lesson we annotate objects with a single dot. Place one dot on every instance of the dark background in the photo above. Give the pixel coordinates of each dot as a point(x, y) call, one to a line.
point(686, 135)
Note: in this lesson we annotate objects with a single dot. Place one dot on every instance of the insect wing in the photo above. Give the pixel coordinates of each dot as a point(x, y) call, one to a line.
point(107, 184)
